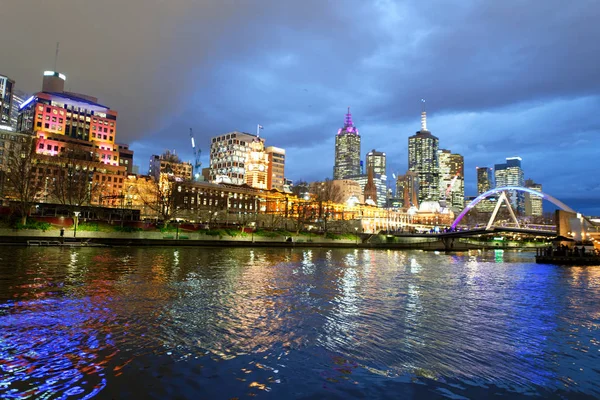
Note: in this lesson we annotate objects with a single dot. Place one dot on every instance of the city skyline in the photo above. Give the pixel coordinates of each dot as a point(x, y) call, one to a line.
point(530, 94)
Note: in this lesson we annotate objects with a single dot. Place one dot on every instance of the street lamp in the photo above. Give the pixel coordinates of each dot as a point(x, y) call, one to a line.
point(76, 213)
point(356, 234)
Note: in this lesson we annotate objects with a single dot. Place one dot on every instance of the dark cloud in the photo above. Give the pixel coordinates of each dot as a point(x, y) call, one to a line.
point(501, 78)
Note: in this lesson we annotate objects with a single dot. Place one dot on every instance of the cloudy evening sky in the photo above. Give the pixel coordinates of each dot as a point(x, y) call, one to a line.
point(501, 78)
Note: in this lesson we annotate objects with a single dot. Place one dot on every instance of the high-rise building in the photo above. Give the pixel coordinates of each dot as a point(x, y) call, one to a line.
point(407, 189)
point(276, 169)
point(228, 157)
point(452, 179)
point(73, 127)
point(511, 174)
point(533, 204)
point(171, 165)
point(484, 179)
point(19, 98)
point(423, 159)
point(257, 164)
point(347, 150)
point(376, 160)
point(55, 115)
point(6, 99)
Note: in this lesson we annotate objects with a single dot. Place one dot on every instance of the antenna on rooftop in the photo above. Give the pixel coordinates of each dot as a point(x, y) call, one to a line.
point(56, 56)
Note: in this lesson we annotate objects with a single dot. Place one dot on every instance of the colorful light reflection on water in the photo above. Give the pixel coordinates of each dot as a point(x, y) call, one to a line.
point(294, 323)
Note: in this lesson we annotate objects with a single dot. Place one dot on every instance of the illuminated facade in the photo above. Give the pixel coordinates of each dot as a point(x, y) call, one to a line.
point(170, 164)
point(19, 98)
point(423, 160)
point(484, 179)
point(350, 190)
point(380, 182)
point(68, 125)
point(58, 116)
point(511, 174)
point(228, 156)
point(257, 165)
point(452, 179)
point(376, 160)
point(347, 150)
point(533, 204)
point(276, 169)
point(407, 189)
point(6, 100)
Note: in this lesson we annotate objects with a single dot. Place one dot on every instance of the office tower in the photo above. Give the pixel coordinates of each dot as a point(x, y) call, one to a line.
point(484, 179)
point(376, 160)
point(52, 116)
point(347, 150)
point(452, 179)
point(228, 156)
point(6, 99)
point(423, 159)
point(276, 169)
point(19, 98)
point(533, 203)
point(77, 130)
point(257, 165)
point(407, 189)
point(511, 174)
point(170, 164)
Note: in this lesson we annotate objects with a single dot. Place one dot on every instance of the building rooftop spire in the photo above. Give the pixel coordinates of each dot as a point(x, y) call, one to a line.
point(348, 121)
point(423, 116)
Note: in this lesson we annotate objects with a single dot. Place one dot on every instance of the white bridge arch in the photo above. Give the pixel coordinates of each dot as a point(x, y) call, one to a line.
point(491, 192)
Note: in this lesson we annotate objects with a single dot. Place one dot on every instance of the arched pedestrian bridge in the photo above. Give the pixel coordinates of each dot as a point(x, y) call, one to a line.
point(501, 191)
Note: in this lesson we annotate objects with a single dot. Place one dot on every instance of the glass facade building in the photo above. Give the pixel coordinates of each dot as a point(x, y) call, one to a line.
point(376, 160)
point(423, 160)
point(511, 174)
point(452, 179)
point(347, 150)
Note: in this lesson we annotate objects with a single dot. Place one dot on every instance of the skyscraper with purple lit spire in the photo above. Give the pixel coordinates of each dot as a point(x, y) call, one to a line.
point(347, 150)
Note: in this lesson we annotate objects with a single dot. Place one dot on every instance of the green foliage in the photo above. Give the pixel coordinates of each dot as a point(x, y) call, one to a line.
point(213, 232)
point(269, 234)
point(88, 227)
point(168, 228)
point(333, 236)
point(32, 224)
point(127, 229)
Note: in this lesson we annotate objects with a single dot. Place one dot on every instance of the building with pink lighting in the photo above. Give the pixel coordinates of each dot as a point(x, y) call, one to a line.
point(347, 150)
point(66, 123)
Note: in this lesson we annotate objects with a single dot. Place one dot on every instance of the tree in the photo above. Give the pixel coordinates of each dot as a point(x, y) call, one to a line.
point(161, 196)
point(326, 194)
point(22, 183)
point(74, 183)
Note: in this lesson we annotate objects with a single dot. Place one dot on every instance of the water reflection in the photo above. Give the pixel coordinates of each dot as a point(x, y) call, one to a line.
point(294, 323)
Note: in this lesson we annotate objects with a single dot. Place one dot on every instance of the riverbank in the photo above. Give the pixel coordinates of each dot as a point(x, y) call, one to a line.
point(241, 239)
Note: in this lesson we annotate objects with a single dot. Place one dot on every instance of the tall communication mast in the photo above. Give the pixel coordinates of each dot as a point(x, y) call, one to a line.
point(197, 163)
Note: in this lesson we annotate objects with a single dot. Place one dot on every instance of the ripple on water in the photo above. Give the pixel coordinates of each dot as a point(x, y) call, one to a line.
point(294, 323)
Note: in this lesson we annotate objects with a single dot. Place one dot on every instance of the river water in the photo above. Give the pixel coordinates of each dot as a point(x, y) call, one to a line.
point(223, 323)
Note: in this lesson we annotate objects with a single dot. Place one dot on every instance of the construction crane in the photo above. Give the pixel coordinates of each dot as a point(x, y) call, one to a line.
point(197, 163)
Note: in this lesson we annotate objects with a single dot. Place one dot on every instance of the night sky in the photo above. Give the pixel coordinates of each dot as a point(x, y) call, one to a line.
point(501, 78)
